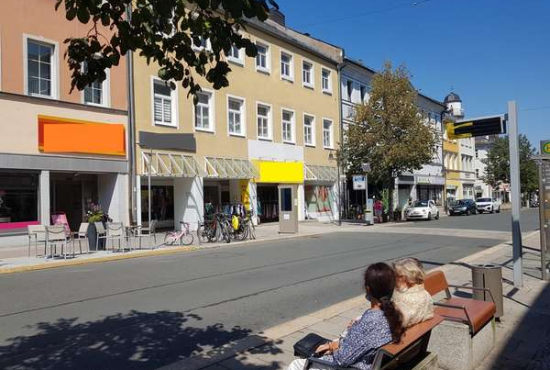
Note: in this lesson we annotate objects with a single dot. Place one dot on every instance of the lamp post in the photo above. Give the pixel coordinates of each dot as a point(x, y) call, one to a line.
point(331, 157)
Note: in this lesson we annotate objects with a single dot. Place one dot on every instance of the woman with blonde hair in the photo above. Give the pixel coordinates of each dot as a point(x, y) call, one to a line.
point(410, 296)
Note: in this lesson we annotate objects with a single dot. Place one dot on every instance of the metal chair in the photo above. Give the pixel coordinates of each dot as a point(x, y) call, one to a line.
point(82, 235)
point(56, 235)
point(147, 231)
point(38, 233)
point(101, 233)
point(115, 231)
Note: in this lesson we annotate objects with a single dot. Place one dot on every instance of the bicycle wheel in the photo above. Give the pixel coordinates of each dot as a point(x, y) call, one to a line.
point(187, 238)
point(170, 238)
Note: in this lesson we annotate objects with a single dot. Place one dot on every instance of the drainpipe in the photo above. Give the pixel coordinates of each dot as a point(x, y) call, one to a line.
point(339, 69)
point(131, 128)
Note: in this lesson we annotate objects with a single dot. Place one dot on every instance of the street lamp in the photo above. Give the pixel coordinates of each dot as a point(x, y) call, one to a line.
point(332, 157)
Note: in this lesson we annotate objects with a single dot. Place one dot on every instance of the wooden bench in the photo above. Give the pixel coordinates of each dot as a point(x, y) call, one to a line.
point(411, 349)
point(475, 313)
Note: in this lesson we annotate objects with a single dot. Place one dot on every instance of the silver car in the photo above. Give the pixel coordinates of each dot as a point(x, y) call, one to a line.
point(488, 205)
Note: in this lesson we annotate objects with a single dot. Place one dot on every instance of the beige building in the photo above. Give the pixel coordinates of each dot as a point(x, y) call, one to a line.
point(277, 123)
point(59, 151)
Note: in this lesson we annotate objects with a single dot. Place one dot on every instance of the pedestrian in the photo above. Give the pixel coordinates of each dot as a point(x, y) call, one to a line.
point(378, 326)
point(378, 210)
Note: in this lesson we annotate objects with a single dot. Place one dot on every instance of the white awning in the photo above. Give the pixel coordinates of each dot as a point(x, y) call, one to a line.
point(169, 165)
point(229, 168)
point(320, 173)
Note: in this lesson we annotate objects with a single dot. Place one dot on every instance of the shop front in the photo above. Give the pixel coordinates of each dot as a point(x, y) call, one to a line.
point(19, 199)
point(321, 193)
point(430, 188)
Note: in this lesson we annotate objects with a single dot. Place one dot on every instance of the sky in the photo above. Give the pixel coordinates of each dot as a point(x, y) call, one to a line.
point(487, 51)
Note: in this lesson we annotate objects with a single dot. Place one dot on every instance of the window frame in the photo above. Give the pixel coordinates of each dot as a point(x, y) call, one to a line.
point(311, 83)
point(313, 144)
point(211, 113)
point(105, 92)
point(242, 112)
point(293, 125)
point(329, 80)
point(290, 77)
point(269, 121)
point(240, 60)
point(174, 105)
point(331, 147)
point(54, 71)
point(267, 68)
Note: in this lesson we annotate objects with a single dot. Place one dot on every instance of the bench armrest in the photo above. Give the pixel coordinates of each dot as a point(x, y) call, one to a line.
point(474, 288)
point(470, 322)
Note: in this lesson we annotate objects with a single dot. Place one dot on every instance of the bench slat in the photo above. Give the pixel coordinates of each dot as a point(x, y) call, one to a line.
point(413, 334)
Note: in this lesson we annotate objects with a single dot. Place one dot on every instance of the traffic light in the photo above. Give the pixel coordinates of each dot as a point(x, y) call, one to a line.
point(494, 125)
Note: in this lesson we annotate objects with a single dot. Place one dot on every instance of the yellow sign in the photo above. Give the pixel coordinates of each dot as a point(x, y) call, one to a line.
point(280, 172)
point(546, 148)
point(245, 195)
point(452, 127)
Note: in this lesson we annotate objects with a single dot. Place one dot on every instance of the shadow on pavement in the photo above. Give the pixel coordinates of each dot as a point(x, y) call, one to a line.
point(136, 340)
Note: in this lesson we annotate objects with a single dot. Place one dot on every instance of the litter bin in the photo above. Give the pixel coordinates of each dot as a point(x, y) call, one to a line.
point(489, 276)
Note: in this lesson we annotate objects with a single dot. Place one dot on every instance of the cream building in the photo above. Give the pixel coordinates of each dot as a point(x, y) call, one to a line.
point(277, 123)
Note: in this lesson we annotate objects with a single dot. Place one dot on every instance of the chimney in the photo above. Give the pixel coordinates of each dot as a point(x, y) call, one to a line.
point(277, 16)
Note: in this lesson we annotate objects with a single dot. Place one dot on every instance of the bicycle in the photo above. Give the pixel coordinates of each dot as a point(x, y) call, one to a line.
point(246, 229)
point(184, 236)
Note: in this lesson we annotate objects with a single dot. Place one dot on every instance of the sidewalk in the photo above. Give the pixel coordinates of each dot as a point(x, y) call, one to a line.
point(523, 335)
point(15, 259)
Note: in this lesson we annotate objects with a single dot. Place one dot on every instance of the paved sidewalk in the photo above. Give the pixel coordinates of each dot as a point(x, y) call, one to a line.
point(523, 335)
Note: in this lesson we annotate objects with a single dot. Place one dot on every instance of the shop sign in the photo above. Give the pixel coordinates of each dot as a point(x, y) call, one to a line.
point(545, 147)
point(359, 182)
point(424, 180)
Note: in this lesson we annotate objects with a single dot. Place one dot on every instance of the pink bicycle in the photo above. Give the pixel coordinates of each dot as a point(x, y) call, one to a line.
point(182, 237)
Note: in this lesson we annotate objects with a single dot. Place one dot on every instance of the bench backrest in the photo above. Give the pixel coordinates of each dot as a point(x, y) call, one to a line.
point(414, 343)
point(435, 282)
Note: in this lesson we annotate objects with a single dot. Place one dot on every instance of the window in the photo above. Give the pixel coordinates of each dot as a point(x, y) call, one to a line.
point(235, 116)
point(204, 112)
point(97, 92)
point(262, 58)
point(307, 74)
point(363, 89)
point(235, 55)
point(309, 130)
point(204, 44)
point(326, 82)
point(40, 69)
point(349, 89)
point(327, 133)
point(263, 114)
point(288, 126)
point(477, 153)
point(164, 104)
point(287, 71)
point(18, 200)
point(477, 173)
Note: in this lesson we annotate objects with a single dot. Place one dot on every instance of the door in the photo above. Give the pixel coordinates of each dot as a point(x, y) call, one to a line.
point(288, 209)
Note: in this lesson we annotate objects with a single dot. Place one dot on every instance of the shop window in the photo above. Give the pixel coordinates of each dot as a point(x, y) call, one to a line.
point(309, 130)
point(288, 126)
point(204, 112)
point(162, 204)
point(235, 116)
point(164, 104)
point(41, 71)
point(18, 200)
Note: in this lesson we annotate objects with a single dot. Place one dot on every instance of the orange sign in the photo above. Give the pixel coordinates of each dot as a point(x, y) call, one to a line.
point(60, 135)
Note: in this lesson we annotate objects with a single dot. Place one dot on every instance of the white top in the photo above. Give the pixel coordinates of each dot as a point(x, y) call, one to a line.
point(415, 303)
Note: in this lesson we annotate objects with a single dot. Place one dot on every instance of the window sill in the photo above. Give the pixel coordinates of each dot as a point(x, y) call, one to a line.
point(328, 92)
point(239, 62)
point(289, 142)
point(97, 105)
point(51, 97)
point(310, 145)
point(207, 131)
point(265, 139)
point(328, 147)
point(287, 78)
point(164, 125)
point(237, 135)
point(263, 70)
point(309, 86)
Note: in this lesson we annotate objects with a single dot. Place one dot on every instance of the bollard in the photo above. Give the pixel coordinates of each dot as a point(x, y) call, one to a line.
point(489, 276)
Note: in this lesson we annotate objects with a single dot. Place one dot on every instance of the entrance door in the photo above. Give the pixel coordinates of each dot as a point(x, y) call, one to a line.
point(288, 209)
point(68, 200)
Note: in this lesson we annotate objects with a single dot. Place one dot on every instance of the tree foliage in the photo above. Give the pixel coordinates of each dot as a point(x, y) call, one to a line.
point(498, 164)
point(389, 131)
point(166, 32)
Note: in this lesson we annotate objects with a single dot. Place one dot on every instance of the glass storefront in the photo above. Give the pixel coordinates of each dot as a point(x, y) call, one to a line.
point(162, 204)
point(430, 192)
point(319, 200)
point(18, 200)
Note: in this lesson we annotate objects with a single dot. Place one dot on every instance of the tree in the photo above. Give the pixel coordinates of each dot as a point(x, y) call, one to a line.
point(498, 164)
point(389, 131)
point(162, 31)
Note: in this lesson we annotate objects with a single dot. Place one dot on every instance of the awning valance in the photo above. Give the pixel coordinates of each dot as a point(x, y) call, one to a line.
point(320, 173)
point(229, 168)
point(170, 165)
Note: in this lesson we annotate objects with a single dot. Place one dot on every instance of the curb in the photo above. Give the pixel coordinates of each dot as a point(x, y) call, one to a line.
point(273, 334)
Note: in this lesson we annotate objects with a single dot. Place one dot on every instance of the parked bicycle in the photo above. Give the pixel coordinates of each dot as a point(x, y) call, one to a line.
point(245, 229)
point(216, 227)
point(181, 237)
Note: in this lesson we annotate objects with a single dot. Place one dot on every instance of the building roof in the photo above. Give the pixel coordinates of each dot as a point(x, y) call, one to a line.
point(452, 98)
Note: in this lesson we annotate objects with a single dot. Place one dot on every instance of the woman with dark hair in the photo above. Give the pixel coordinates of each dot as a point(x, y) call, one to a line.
point(378, 326)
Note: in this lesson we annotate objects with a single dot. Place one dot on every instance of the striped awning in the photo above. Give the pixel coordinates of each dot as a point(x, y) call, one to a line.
point(229, 168)
point(162, 164)
point(320, 173)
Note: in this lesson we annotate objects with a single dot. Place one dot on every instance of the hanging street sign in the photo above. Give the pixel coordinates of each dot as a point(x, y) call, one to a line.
point(545, 148)
point(359, 182)
point(365, 167)
point(483, 126)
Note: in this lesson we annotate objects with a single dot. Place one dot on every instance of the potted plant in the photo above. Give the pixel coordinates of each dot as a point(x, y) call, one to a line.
point(94, 214)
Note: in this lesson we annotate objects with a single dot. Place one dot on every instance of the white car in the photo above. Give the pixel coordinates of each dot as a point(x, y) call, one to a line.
point(422, 210)
point(487, 205)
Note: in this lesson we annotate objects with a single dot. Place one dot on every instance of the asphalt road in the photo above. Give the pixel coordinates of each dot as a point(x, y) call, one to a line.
point(149, 312)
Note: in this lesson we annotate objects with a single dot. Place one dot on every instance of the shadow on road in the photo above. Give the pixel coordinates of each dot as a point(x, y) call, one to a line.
point(136, 340)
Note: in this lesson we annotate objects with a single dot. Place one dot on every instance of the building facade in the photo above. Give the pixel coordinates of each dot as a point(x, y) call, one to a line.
point(60, 151)
point(276, 123)
point(426, 183)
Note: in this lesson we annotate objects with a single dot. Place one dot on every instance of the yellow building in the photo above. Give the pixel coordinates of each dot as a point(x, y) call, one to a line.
point(276, 123)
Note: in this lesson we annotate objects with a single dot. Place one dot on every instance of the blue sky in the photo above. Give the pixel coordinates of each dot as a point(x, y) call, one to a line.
point(488, 51)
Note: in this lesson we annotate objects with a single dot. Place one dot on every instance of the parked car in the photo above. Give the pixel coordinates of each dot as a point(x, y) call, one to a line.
point(463, 207)
point(422, 210)
point(487, 205)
